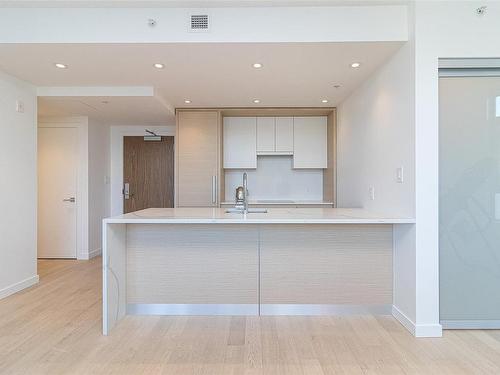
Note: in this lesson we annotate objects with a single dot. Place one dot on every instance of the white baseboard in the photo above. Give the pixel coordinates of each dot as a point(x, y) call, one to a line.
point(417, 330)
point(83, 256)
point(95, 253)
point(470, 324)
point(89, 254)
point(403, 319)
point(428, 330)
point(23, 284)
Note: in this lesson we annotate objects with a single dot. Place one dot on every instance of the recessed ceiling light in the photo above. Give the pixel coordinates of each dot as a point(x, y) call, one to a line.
point(355, 65)
point(257, 65)
point(256, 101)
point(159, 66)
point(187, 101)
point(60, 65)
point(324, 101)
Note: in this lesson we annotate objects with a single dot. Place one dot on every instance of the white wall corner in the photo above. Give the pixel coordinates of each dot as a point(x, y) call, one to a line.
point(428, 330)
point(23, 284)
point(83, 255)
point(94, 253)
point(417, 330)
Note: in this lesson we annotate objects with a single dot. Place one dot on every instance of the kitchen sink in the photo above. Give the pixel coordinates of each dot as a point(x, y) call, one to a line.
point(234, 210)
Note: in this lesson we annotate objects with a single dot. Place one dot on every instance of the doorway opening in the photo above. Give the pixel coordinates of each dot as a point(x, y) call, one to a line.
point(469, 193)
point(148, 173)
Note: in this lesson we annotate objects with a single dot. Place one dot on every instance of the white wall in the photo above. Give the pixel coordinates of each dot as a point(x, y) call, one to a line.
point(376, 136)
point(275, 179)
point(275, 24)
point(99, 182)
point(443, 29)
point(116, 155)
point(18, 183)
point(440, 30)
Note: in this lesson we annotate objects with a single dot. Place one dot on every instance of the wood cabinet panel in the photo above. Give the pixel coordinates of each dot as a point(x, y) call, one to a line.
point(326, 264)
point(193, 264)
point(197, 158)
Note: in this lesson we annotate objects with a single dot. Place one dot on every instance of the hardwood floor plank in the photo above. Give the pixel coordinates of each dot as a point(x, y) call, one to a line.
point(54, 328)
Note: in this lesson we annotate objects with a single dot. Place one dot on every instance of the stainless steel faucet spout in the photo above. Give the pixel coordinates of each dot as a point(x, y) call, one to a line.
point(245, 193)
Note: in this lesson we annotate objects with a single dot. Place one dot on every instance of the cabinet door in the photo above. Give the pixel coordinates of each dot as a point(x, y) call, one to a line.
point(284, 134)
point(197, 158)
point(240, 142)
point(265, 134)
point(310, 142)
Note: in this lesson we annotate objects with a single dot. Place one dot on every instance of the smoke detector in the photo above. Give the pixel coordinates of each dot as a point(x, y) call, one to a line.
point(481, 10)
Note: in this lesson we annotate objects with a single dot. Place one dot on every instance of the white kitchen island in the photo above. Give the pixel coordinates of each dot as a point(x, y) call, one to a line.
point(289, 261)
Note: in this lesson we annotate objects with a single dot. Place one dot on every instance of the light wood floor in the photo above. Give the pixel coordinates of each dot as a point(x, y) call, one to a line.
point(55, 328)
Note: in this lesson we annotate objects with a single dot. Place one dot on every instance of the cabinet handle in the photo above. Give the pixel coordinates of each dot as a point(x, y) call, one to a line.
point(214, 189)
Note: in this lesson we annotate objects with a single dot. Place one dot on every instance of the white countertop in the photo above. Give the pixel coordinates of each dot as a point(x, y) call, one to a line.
point(277, 202)
point(203, 215)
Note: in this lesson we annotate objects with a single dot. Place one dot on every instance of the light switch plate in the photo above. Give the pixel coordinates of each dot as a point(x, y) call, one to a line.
point(371, 193)
point(19, 106)
point(399, 175)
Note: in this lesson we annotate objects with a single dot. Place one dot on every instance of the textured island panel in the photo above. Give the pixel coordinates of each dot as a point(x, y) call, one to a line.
point(192, 264)
point(326, 264)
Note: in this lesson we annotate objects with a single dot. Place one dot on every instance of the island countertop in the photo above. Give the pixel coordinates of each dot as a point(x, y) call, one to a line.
point(206, 215)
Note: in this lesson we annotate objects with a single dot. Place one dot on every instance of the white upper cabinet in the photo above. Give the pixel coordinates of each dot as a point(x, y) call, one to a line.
point(265, 134)
point(240, 142)
point(303, 137)
point(284, 134)
point(310, 142)
point(274, 135)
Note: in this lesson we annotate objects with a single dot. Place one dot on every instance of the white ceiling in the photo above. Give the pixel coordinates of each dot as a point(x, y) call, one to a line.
point(191, 3)
point(209, 74)
point(132, 110)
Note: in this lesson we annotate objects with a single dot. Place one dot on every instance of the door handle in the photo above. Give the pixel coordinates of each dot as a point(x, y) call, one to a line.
point(72, 200)
point(126, 190)
point(214, 189)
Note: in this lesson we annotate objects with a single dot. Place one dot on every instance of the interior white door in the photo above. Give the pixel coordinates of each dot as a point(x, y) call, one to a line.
point(57, 187)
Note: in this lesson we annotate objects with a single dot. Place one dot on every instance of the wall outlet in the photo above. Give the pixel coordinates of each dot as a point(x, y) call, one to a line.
point(399, 175)
point(371, 193)
point(19, 106)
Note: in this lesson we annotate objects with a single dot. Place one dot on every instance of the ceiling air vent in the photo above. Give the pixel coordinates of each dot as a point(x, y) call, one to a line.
point(199, 23)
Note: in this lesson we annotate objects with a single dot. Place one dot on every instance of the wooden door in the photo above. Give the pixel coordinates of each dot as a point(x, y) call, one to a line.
point(198, 153)
point(148, 169)
point(57, 187)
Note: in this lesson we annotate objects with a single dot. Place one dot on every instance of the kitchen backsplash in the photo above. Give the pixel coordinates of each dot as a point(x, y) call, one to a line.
point(274, 179)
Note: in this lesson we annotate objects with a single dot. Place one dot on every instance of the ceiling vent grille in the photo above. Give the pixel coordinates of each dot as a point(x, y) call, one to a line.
point(199, 23)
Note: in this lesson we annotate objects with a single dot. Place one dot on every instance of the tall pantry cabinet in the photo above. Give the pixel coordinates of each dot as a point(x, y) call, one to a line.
point(198, 158)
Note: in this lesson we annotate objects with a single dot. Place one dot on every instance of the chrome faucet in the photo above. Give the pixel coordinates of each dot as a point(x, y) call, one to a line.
point(245, 193)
